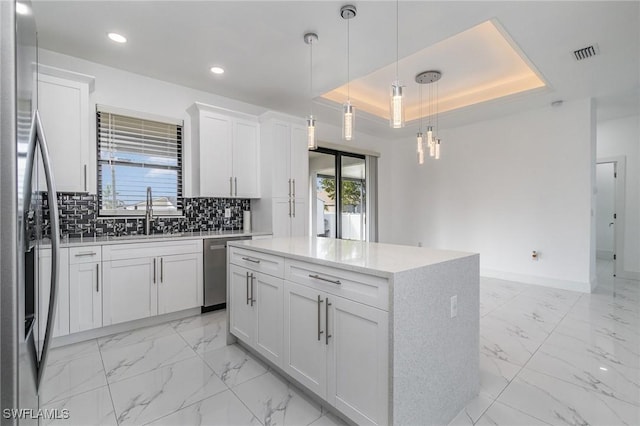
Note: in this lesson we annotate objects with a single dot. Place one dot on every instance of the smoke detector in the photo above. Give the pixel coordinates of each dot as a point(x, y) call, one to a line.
point(586, 52)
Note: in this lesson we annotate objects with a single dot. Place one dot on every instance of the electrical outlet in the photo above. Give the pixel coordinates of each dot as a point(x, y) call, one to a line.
point(227, 213)
point(454, 306)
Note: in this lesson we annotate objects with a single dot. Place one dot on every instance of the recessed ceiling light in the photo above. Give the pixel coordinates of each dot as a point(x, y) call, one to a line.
point(217, 70)
point(604, 368)
point(22, 9)
point(117, 37)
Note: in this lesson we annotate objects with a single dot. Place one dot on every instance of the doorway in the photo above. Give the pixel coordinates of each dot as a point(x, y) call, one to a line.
point(610, 182)
point(339, 191)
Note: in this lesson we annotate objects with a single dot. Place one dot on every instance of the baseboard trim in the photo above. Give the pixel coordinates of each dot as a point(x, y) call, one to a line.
point(583, 287)
point(628, 275)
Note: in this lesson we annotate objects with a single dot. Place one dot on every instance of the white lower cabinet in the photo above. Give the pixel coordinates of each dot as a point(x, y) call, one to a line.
point(146, 279)
point(255, 301)
point(130, 290)
point(85, 296)
point(333, 345)
point(61, 319)
point(180, 282)
point(305, 349)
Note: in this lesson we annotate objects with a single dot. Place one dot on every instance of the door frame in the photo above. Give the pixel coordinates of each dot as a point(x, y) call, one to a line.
point(619, 169)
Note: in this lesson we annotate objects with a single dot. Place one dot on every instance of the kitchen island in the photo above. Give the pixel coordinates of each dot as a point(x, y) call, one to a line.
point(385, 334)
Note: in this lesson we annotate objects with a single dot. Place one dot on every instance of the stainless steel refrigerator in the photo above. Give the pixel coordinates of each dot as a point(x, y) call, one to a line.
point(28, 221)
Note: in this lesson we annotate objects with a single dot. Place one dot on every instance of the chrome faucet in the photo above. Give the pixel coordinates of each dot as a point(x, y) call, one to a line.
point(148, 216)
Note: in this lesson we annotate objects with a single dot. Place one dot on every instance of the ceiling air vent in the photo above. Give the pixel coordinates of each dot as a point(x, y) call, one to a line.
point(586, 52)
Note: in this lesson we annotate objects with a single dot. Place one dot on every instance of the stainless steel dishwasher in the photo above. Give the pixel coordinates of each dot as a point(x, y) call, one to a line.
point(215, 272)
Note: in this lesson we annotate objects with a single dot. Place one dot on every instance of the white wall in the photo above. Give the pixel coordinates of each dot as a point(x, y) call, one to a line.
point(621, 137)
point(503, 188)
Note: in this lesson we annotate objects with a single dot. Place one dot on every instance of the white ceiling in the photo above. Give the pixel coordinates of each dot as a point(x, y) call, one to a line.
point(260, 45)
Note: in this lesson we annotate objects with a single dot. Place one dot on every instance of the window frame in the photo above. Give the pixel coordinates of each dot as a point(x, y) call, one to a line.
point(115, 213)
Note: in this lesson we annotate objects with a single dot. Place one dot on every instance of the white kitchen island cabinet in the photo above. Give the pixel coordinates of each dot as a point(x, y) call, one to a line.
point(369, 328)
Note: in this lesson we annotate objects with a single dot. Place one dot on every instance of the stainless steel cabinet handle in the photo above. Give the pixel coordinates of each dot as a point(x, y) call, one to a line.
point(318, 277)
point(248, 259)
point(293, 203)
point(230, 186)
point(319, 331)
point(236, 180)
point(326, 322)
point(154, 270)
point(289, 207)
point(97, 278)
point(85, 177)
point(247, 281)
point(294, 188)
point(86, 253)
point(289, 187)
point(253, 299)
point(161, 269)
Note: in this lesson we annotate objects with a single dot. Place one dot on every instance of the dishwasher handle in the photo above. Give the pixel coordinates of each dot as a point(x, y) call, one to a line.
point(217, 247)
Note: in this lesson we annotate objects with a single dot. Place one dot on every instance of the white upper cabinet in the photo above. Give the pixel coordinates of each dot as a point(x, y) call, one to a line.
point(63, 102)
point(225, 153)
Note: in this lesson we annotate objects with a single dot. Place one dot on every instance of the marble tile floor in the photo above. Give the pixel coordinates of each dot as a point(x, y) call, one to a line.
point(546, 357)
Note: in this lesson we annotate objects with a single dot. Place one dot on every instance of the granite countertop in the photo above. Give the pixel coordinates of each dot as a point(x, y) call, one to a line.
point(129, 239)
point(372, 258)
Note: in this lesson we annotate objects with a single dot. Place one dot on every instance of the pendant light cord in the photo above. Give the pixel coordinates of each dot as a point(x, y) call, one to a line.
point(397, 37)
point(348, 70)
point(311, 76)
point(421, 117)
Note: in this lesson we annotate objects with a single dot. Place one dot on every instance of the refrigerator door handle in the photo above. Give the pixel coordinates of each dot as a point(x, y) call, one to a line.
point(37, 139)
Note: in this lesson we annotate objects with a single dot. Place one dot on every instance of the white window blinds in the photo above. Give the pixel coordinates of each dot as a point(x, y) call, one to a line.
point(133, 154)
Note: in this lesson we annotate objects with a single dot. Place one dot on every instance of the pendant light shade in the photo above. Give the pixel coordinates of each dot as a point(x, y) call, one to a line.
point(311, 133)
point(437, 149)
point(312, 143)
point(348, 118)
point(396, 106)
point(419, 142)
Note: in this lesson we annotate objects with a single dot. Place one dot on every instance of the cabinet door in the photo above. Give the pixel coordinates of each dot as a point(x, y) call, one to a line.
point(299, 162)
point(64, 109)
point(282, 211)
point(298, 218)
point(305, 349)
point(61, 321)
point(242, 315)
point(215, 155)
point(180, 285)
point(281, 160)
point(85, 296)
point(269, 302)
point(130, 290)
point(358, 361)
point(246, 170)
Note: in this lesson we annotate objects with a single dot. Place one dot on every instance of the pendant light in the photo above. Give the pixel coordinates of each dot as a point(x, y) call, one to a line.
point(419, 137)
point(348, 12)
point(430, 77)
point(312, 143)
point(396, 102)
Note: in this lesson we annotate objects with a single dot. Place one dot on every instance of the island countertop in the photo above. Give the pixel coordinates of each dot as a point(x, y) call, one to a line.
point(367, 257)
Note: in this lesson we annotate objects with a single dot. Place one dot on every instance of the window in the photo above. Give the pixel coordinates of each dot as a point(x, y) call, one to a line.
point(136, 153)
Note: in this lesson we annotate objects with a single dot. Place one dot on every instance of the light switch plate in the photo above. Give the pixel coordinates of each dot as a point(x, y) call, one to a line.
point(454, 306)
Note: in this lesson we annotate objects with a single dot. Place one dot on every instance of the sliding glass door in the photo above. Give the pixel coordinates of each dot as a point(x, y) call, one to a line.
point(339, 195)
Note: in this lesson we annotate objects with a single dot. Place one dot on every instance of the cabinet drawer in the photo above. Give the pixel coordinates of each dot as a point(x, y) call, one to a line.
point(257, 261)
point(150, 249)
point(368, 289)
point(85, 254)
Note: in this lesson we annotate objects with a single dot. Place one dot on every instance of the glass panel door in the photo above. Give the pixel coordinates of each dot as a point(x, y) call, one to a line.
point(338, 198)
point(353, 198)
point(322, 168)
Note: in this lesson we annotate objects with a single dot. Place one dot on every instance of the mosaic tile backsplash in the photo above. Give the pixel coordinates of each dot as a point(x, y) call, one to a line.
point(79, 217)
